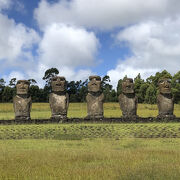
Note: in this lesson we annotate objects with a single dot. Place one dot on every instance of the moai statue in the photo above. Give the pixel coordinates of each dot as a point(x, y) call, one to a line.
point(165, 99)
point(59, 98)
point(22, 101)
point(95, 98)
point(127, 100)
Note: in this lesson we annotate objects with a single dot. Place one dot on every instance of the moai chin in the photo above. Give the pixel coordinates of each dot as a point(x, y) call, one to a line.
point(127, 100)
point(59, 99)
point(165, 99)
point(94, 98)
point(22, 101)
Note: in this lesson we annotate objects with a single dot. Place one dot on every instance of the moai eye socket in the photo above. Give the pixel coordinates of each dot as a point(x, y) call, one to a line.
point(54, 79)
point(27, 83)
point(96, 78)
point(161, 81)
point(62, 79)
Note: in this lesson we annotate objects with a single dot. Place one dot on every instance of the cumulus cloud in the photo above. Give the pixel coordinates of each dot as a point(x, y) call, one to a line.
point(16, 46)
point(68, 48)
point(64, 45)
point(15, 39)
point(104, 14)
point(155, 46)
point(14, 74)
point(5, 4)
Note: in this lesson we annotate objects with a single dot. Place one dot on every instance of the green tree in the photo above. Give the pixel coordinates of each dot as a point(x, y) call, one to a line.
point(77, 90)
point(12, 83)
point(109, 94)
point(7, 94)
point(34, 93)
point(150, 97)
point(49, 74)
point(142, 92)
point(32, 81)
point(176, 87)
point(139, 90)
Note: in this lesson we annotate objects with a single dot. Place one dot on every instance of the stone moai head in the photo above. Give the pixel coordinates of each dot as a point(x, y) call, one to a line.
point(94, 84)
point(165, 86)
point(128, 86)
point(22, 87)
point(58, 84)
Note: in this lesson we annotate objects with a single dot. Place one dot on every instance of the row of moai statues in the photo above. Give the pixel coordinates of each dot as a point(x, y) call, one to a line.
point(59, 99)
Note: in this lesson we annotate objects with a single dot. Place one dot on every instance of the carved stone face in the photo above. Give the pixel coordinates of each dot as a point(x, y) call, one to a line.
point(165, 86)
point(58, 84)
point(128, 86)
point(22, 87)
point(95, 84)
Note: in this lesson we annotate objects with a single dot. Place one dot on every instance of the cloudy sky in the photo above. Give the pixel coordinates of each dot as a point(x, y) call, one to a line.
point(85, 37)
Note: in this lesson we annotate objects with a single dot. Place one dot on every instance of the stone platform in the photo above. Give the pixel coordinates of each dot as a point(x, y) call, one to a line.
point(82, 120)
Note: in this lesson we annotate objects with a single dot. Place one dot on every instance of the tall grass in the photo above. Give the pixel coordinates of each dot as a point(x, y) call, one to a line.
point(42, 110)
point(105, 159)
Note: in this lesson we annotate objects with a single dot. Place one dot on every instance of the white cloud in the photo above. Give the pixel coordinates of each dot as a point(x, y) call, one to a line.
point(67, 46)
point(104, 14)
point(14, 74)
point(155, 46)
point(16, 47)
point(5, 4)
point(72, 74)
point(15, 39)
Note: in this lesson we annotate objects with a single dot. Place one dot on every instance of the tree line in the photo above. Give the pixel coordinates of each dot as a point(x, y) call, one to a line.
point(146, 90)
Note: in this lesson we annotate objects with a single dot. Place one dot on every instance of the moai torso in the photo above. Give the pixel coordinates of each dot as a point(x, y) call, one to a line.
point(59, 99)
point(165, 100)
point(127, 100)
point(22, 102)
point(95, 98)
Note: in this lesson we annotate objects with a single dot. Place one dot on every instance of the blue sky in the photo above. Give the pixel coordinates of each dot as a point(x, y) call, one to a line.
point(85, 37)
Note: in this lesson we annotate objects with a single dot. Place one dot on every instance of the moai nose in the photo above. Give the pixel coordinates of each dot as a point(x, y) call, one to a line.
point(58, 80)
point(166, 84)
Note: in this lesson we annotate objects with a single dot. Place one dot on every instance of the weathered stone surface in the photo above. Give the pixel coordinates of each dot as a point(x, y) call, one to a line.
point(127, 100)
point(22, 101)
point(165, 99)
point(95, 98)
point(59, 99)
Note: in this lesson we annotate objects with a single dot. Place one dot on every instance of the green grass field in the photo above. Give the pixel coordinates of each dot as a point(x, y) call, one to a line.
point(127, 159)
point(42, 110)
point(142, 151)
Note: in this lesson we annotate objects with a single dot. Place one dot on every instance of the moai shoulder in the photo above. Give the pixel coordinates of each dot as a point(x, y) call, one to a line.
point(165, 99)
point(127, 99)
point(59, 98)
point(95, 98)
point(22, 101)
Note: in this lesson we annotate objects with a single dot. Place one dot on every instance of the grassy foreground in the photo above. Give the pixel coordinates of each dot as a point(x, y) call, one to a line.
point(42, 110)
point(89, 151)
point(145, 159)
